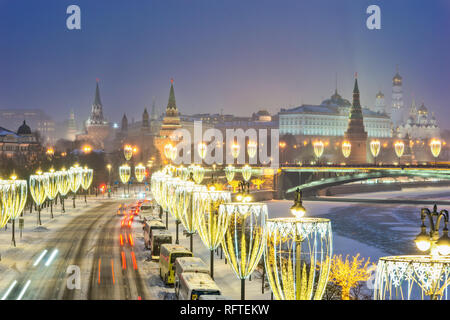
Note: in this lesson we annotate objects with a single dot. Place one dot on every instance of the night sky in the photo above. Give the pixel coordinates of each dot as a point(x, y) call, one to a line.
point(231, 55)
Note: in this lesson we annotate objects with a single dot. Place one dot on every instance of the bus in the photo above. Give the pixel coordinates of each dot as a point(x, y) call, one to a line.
point(149, 227)
point(168, 254)
point(159, 237)
point(194, 285)
point(188, 264)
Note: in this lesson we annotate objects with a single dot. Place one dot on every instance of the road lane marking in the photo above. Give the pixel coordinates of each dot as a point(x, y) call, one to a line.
point(23, 290)
point(52, 256)
point(9, 290)
point(40, 258)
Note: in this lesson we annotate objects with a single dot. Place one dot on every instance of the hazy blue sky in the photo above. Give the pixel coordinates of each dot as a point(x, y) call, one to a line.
point(235, 55)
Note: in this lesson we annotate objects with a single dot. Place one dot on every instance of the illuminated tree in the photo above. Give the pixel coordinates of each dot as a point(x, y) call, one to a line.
point(347, 274)
point(234, 184)
point(258, 182)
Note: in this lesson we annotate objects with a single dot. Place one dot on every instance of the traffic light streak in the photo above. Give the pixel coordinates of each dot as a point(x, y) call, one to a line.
point(124, 261)
point(99, 267)
point(134, 260)
point(112, 270)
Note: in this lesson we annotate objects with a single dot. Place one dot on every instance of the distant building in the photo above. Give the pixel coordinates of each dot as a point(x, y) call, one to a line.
point(356, 134)
point(23, 142)
point(72, 127)
point(419, 124)
point(36, 118)
point(330, 118)
point(397, 99)
point(97, 129)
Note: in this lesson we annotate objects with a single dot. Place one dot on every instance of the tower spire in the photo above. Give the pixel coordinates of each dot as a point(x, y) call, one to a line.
point(171, 104)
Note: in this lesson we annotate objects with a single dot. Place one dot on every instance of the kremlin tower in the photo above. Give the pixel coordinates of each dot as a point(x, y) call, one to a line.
point(355, 133)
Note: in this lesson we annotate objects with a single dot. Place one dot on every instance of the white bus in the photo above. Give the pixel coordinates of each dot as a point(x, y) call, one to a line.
point(193, 285)
point(188, 264)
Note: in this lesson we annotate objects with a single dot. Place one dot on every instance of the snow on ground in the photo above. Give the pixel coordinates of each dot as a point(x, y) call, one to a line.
point(14, 259)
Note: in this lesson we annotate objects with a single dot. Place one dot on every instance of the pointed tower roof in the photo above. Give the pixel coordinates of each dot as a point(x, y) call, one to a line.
point(145, 118)
point(171, 105)
point(355, 110)
point(124, 126)
point(97, 99)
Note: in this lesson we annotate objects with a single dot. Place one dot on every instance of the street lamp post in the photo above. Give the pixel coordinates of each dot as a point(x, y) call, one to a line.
point(124, 174)
point(244, 235)
point(14, 197)
point(375, 146)
point(75, 175)
point(211, 225)
point(346, 149)
point(51, 187)
point(297, 254)
point(37, 191)
point(435, 147)
point(63, 179)
point(318, 149)
point(399, 147)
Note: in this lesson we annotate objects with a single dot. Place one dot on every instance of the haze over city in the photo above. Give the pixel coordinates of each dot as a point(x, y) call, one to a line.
point(230, 56)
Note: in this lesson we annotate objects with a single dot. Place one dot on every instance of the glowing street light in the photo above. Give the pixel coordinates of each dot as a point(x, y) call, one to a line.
point(51, 187)
point(318, 149)
point(397, 276)
point(431, 241)
point(124, 174)
point(201, 149)
point(50, 151)
point(13, 198)
point(346, 148)
point(75, 175)
point(243, 242)
point(189, 217)
point(252, 148)
point(211, 224)
point(63, 179)
point(139, 172)
point(229, 173)
point(235, 149)
point(198, 173)
point(87, 149)
point(375, 147)
point(246, 172)
point(435, 147)
point(399, 147)
point(127, 152)
point(37, 191)
point(297, 255)
point(87, 176)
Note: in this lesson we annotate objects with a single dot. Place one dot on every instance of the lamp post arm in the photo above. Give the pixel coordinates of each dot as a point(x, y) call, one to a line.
point(442, 214)
point(428, 213)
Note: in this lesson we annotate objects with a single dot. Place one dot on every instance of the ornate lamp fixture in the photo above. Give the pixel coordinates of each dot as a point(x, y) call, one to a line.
point(201, 149)
point(13, 198)
point(139, 172)
point(244, 237)
point(252, 148)
point(418, 276)
point(229, 173)
point(124, 174)
point(127, 152)
point(431, 241)
point(375, 147)
point(346, 149)
point(318, 149)
point(37, 191)
point(75, 174)
point(198, 173)
point(63, 179)
point(235, 150)
point(399, 147)
point(211, 225)
point(87, 175)
point(51, 187)
point(435, 147)
point(297, 255)
point(189, 216)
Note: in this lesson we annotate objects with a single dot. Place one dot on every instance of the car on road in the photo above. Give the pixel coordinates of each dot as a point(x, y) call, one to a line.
point(168, 254)
point(195, 285)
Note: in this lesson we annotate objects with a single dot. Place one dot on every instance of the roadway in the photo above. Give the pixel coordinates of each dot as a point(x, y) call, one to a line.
point(91, 241)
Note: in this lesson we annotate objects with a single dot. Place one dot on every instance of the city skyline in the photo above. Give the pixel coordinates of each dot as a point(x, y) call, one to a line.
point(224, 57)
